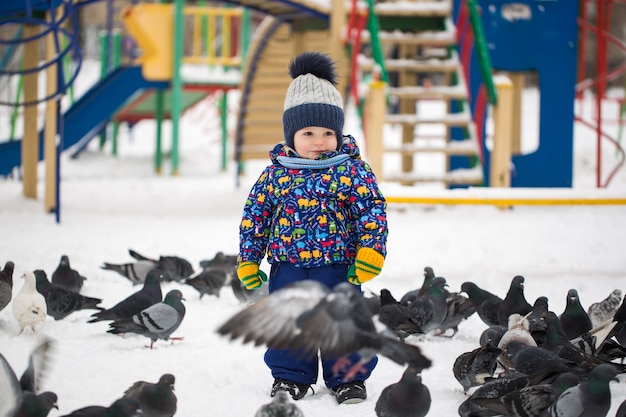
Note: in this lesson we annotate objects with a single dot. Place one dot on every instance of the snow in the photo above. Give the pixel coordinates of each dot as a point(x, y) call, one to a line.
point(111, 204)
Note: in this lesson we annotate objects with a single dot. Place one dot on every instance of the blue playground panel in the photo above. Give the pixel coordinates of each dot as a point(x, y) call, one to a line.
point(11, 7)
point(541, 36)
point(88, 115)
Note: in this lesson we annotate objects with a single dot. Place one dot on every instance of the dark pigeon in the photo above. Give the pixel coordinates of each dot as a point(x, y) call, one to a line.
point(492, 335)
point(574, 319)
point(408, 397)
point(281, 406)
point(531, 359)
point(485, 303)
point(395, 315)
point(6, 284)
point(37, 405)
point(536, 323)
point(123, 407)
point(590, 398)
point(66, 277)
point(60, 301)
point(18, 395)
point(309, 317)
point(429, 276)
point(158, 321)
point(621, 411)
point(136, 272)
point(174, 268)
point(474, 368)
point(429, 310)
point(514, 301)
point(532, 400)
point(373, 301)
point(494, 388)
point(245, 295)
point(619, 330)
point(605, 310)
point(148, 295)
point(227, 263)
point(459, 308)
point(155, 400)
point(209, 281)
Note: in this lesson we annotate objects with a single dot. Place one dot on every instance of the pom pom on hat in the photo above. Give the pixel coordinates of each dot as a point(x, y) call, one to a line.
point(312, 99)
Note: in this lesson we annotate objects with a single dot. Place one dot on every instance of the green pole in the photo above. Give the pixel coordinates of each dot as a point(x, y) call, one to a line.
point(223, 106)
point(481, 49)
point(377, 50)
point(176, 81)
point(67, 68)
point(117, 54)
point(15, 113)
point(104, 68)
point(158, 154)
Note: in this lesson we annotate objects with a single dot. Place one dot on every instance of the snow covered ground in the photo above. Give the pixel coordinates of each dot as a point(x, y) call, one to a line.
point(110, 204)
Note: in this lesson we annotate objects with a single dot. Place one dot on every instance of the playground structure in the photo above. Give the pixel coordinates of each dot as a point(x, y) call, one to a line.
point(457, 44)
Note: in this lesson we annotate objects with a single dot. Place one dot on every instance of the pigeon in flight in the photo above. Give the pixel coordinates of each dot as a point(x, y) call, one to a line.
point(123, 407)
point(6, 284)
point(29, 306)
point(514, 301)
point(60, 301)
point(408, 397)
point(281, 406)
point(158, 321)
point(148, 295)
point(155, 400)
point(308, 316)
point(66, 277)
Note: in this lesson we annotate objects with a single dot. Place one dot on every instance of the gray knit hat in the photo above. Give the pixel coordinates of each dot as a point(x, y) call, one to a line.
point(312, 99)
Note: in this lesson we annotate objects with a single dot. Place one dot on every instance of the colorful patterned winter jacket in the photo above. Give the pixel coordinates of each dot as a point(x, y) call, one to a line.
point(313, 217)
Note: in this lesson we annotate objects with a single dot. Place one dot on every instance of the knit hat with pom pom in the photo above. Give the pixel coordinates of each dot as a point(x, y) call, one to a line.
point(312, 99)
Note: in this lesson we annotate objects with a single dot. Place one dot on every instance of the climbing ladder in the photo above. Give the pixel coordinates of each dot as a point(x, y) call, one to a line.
point(427, 97)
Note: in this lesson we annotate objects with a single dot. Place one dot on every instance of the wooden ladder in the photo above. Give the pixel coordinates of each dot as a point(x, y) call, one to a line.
point(427, 97)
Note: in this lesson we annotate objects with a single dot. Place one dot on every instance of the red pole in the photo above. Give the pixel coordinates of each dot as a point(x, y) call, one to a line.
point(601, 67)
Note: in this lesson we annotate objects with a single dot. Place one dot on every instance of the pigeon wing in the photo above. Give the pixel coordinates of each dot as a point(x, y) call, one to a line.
point(157, 318)
point(38, 366)
point(10, 389)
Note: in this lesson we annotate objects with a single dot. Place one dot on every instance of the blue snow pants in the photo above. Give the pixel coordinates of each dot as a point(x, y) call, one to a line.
point(289, 365)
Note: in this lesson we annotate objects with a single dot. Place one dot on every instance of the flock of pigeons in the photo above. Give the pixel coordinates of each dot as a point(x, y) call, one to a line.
point(529, 361)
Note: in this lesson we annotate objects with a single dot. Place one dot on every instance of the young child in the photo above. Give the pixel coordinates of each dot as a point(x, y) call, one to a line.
point(317, 212)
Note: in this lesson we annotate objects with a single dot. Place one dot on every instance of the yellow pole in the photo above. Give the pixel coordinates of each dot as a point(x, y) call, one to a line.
point(375, 110)
point(50, 128)
point(30, 142)
point(518, 79)
point(500, 169)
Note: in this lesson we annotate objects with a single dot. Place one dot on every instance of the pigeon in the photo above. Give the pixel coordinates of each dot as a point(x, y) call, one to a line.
point(245, 295)
point(37, 405)
point(536, 323)
point(158, 321)
point(429, 275)
point(485, 303)
point(429, 311)
point(66, 277)
point(15, 392)
point(308, 316)
point(6, 284)
point(517, 331)
point(492, 335)
point(281, 406)
point(174, 268)
point(148, 295)
point(123, 407)
point(227, 263)
point(209, 281)
point(29, 306)
point(474, 368)
point(395, 315)
point(136, 272)
point(408, 397)
point(494, 388)
point(590, 398)
point(621, 411)
point(532, 400)
point(514, 301)
point(574, 319)
point(604, 310)
point(459, 308)
point(60, 301)
point(619, 329)
point(155, 400)
point(531, 359)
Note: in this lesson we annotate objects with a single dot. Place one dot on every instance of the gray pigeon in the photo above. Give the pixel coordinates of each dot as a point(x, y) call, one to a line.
point(429, 275)
point(485, 302)
point(281, 406)
point(158, 321)
point(148, 295)
point(474, 368)
point(174, 268)
point(6, 284)
point(429, 310)
point(60, 301)
point(37, 405)
point(155, 400)
point(136, 272)
point(66, 277)
point(395, 315)
point(209, 281)
point(309, 317)
point(574, 319)
point(605, 310)
point(590, 398)
point(514, 301)
point(18, 395)
point(408, 397)
point(123, 407)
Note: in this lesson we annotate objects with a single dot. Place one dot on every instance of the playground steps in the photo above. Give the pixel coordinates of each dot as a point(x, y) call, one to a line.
point(424, 68)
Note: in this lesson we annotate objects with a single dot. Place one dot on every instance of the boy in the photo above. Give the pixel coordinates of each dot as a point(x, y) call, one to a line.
point(317, 212)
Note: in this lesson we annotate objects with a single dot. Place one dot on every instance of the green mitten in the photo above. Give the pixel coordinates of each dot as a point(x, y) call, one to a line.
point(250, 275)
point(367, 265)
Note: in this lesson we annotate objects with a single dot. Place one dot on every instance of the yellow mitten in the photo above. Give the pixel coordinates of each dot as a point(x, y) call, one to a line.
point(250, 275)
point(367, 265)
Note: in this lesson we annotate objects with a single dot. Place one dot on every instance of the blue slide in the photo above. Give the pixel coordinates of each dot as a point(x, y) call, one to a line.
point(88, 115)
